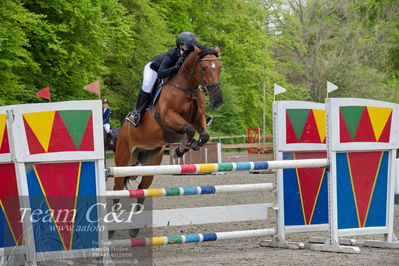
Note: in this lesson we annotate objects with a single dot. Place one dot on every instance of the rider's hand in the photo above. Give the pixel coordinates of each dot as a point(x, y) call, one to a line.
point(179, 62)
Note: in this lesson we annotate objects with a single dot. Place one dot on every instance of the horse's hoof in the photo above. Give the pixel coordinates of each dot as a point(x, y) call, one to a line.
point(134, 232)
point(178, 153)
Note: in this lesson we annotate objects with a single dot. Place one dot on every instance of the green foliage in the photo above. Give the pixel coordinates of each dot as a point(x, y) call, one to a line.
point(67, 44)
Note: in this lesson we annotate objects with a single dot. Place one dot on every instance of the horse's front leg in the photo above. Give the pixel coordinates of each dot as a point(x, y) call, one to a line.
point(180, 125)
point(200, 127)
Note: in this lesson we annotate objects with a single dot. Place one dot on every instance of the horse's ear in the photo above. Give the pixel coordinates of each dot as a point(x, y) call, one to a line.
point(197, 49)
point(217, 49)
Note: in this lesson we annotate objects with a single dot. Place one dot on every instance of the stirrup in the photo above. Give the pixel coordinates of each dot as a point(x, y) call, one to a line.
point(133, 118)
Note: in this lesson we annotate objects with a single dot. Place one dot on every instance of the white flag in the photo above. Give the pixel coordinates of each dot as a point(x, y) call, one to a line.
point(278, 89)
point(331, 87)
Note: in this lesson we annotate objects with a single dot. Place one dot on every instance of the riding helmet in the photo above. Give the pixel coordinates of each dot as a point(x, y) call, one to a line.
point(106, 101)
point(186, 38)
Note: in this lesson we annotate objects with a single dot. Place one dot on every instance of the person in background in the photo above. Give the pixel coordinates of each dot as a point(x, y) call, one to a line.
point(106, 116)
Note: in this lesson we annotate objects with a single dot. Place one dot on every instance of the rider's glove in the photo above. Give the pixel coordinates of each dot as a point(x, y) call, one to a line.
point(179, 62)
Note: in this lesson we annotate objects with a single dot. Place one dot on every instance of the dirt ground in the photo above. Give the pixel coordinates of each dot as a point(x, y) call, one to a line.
point(242, 251)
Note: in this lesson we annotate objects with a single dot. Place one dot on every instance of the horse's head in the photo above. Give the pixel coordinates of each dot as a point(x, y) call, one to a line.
point(206, 69)
point(209, 68)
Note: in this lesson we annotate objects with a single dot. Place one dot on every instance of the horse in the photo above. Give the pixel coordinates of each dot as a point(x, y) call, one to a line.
point(110, 141)
point(176, 117)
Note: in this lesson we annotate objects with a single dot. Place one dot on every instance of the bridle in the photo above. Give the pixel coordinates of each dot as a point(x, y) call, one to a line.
point(208, 89)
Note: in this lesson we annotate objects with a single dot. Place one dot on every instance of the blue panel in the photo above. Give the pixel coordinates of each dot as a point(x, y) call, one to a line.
point(192, 238)
point(87, 186)
point(293, 214)
point(190, 190)
point(86, 234)
point(45, 233)
point(378, 206)
point(320, 214)
point(6, 238)
point(243, 166)
point(210, 237)
point(261, 165)
point(208, 190)
point(347, 215)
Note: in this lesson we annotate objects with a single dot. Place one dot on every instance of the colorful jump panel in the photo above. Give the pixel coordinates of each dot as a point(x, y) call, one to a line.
point(362, 150)
point(4, 146)
point(362, 189)
point(57, 131)
point(365, 124)
point(305, 125)
point(61, 195)
point(11, 232)
point(305, 192)
point(300, 133)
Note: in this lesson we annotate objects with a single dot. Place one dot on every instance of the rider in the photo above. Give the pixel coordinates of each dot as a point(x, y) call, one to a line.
point(106, 115)
point(161, 66)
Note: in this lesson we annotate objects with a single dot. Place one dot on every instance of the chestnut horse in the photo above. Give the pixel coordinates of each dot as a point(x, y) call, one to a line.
point(175, 118)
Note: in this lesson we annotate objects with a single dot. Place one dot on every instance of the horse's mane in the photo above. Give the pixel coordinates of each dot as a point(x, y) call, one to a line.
point(205, 50)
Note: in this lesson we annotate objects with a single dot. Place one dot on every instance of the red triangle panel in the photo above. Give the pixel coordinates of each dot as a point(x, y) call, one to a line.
point(365, 132)
point(33, 143)
point(4, 146)
point(10, 200)
point(60, 181)
point(60, 139)
point(290, 133)
point(386, 132)
point(88, 138)
point(343, 130)
point(363, 168)
point(310, 180)
point(310, 133)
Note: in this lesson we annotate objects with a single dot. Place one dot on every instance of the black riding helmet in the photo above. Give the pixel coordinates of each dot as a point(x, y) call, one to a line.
point(186, 38)
point(105, 101)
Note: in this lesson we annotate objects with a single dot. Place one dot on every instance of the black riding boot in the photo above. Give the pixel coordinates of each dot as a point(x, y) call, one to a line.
point(135, 116)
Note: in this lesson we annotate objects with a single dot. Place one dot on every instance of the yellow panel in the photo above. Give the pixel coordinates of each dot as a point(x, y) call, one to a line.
point(41, 124)
point(379, 117)
point(158, 241)
point(206, 168)
point(2, 127)
point(320, 117)
point(154, 192)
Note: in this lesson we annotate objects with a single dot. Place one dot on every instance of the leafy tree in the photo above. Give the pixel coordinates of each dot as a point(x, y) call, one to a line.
point(15, 23)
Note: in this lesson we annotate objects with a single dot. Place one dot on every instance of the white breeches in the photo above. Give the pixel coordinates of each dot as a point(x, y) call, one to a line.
point(107, 127)
point(149, 78)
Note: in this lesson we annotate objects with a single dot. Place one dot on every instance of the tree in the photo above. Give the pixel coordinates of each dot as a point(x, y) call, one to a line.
point(334, 40)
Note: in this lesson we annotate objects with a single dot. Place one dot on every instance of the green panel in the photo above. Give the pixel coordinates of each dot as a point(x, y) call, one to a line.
point(76, 122)
point(175, 239)
point(298, 119)
point(352, 115)
point(174, 191)
point(222, 167)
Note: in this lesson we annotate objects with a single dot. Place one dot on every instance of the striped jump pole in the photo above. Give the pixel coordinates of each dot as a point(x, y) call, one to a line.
point(213, 167)
point(186, 191)
point(195, 238)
